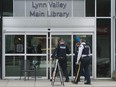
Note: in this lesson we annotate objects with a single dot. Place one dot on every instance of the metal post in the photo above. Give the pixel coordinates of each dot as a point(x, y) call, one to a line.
point(1, 18)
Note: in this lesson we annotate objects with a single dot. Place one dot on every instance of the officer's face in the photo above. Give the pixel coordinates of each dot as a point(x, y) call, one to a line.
point(78, 44)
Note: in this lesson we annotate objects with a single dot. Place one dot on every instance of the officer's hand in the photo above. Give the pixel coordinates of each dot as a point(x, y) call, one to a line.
point(77, 62)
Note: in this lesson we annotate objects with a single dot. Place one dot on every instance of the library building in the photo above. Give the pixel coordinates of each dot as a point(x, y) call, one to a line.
point(30, 31)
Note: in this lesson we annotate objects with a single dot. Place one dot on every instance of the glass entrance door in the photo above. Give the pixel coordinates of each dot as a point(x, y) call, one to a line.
point(88, 38)
point(38, 47)
point(54, 39)
point(37, 52)
point(22, 51)
point(70, 41)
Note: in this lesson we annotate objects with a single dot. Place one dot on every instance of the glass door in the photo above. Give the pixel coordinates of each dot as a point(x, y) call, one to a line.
point(54, 38)
point(88, 38)
point(31, 47)
point(70, 41)
point(37, 52)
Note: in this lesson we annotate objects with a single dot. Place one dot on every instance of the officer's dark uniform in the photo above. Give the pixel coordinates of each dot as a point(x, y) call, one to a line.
point(61, 52)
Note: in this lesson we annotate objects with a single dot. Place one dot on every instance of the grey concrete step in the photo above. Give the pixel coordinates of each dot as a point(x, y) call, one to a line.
point(47, 83)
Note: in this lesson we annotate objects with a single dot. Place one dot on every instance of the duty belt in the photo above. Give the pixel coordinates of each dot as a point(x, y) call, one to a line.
point(61, 57)
point(84, 56)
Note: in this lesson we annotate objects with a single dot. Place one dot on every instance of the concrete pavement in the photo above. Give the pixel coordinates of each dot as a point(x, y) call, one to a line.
point(47, 83)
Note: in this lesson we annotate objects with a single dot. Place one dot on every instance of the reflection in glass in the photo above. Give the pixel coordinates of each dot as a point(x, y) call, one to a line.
point(40, 62)
point(7, 7)
point(36, 44)
point(13, 65)
point(55, 40)
point(103, 8)
point(88, 40)
point(14, 44)
point(103, 48)
point(90, 8)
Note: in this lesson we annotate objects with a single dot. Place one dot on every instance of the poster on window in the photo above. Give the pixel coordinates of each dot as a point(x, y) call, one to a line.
point(19, 48)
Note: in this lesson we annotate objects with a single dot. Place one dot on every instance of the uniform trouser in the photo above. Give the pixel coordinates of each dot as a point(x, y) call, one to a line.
point(85, 65)
point(63, 65)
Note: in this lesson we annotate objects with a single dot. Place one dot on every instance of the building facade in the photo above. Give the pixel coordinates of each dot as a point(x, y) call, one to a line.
point(30, 30)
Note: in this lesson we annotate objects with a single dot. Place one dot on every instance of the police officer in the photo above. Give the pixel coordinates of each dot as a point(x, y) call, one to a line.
point(83, 55)
point(60, 53)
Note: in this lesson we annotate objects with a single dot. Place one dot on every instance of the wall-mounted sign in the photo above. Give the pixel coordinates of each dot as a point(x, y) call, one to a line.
point(48, 8)
point(51, 9)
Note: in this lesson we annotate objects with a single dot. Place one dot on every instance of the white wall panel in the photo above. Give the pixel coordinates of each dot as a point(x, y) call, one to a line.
point(27, 22)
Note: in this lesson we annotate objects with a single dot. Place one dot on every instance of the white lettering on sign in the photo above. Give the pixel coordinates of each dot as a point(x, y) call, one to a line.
point(37, 9)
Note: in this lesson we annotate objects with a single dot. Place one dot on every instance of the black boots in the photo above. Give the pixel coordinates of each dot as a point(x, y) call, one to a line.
point(74, 82)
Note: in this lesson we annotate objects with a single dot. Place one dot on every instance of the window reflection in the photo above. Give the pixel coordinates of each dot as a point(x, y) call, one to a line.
point(36, 44)
point(90, 8)
point(14, 44)
point(103, 48)
point(7, 7)
point(104, 8)
point(55, 39)
point(40, 62)
point(13, 65)
point(88, 40)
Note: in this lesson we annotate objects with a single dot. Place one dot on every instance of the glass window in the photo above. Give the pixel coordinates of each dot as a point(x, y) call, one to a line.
point(36, 44)
point(103, 8)
point(88, 40)
point(90, 8)
point(103, 48)
point(0, 8)
point(7, 7)
point(14, 44)
point(13, 65)
point(55, 40)
point(41, 65)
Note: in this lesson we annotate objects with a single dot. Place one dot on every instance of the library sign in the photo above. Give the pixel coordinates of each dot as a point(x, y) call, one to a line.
point(49, 9)
point(42, 8)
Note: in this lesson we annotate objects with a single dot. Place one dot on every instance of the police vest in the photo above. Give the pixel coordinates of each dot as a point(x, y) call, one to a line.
point(62, 50)
point(85, 50)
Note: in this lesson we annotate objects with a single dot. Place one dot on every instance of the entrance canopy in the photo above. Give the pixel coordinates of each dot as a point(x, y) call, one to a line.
point(23, 24)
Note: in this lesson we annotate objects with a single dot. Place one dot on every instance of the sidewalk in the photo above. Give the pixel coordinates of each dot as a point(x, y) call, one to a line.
point(47, 83)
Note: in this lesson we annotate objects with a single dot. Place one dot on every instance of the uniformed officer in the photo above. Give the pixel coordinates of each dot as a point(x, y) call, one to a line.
point(60, 53)
point(83, 55)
